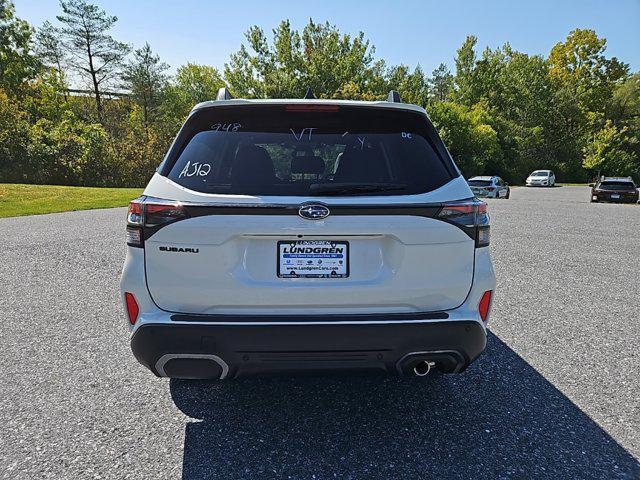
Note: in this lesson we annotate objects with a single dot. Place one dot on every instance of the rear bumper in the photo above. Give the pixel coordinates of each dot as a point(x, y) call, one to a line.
point(190, 350)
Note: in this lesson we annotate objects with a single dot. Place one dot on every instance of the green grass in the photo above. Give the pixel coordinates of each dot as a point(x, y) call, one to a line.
point(18, 199)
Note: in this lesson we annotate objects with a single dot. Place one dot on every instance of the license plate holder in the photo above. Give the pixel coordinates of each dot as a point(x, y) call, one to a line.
point(313, 259)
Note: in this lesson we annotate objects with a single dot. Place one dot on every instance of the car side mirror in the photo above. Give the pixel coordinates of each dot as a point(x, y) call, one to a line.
point(506, 184)
point(592, 185)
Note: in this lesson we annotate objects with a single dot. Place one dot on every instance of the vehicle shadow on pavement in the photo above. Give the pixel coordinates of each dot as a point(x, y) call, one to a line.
point(500, 419)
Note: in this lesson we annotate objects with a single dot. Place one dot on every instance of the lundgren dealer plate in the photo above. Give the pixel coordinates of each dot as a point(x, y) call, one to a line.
point(313, 259)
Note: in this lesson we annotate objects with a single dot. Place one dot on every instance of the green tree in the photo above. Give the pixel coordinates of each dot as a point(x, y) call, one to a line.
point(612, 151)
point(141, 149)
point(49, 47)
point(412, 86)
point(93, 53)
point(15, 165)
point(192, 84)
point(72, 152)
point(17, 64)
point(624, 107)
point(50, 51)
point(45, 97)
point(442, 83)
point(145, 78)
point(465, 78)
point(469, 136)
point(198, 83)
point(580, 65)
point(522, 99)
point(320, 57)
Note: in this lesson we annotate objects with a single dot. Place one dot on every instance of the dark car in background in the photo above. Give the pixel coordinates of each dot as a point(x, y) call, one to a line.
point(615, 189)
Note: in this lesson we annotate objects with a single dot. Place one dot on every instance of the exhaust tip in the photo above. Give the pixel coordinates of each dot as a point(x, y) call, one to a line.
point(192, 366)
point(423, 368)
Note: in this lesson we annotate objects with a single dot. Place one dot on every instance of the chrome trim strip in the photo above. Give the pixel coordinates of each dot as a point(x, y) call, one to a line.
point(162, 361)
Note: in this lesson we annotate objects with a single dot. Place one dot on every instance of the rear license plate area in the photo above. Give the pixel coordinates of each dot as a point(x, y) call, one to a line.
point(313, 259)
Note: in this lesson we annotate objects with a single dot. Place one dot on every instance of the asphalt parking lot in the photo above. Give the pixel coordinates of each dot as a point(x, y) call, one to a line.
point(556, 394)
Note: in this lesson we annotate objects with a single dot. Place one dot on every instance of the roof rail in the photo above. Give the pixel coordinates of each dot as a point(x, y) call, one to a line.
point(394, 97)
point(223, 94)
point(309, 95)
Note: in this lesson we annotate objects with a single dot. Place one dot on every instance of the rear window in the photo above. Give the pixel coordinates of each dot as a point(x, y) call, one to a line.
point(616, 185)
point(479, 183)
point(292, 150)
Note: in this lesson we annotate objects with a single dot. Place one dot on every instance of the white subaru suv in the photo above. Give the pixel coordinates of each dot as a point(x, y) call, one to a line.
point(297, 235)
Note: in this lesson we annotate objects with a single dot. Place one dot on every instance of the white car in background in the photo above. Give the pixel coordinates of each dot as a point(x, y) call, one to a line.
point(541, 178)
point(305, 235)
point(491, 187)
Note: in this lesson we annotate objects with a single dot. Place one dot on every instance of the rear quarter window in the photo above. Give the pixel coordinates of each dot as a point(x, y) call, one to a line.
point(617, 185)
point(277, 150)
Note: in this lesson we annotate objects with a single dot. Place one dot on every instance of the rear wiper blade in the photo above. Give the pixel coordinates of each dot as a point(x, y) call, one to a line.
point(354, 188)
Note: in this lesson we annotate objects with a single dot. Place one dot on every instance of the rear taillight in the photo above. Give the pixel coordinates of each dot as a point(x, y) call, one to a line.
point(484, 305)
point(469, 215)
point(134, 223)
point(148, 214)
point(132, 307)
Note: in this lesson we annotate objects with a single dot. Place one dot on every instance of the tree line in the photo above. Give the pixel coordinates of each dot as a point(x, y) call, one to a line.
point(79, 107)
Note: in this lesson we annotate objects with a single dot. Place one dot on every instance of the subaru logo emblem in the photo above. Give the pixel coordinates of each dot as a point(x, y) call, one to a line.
point(313, 211)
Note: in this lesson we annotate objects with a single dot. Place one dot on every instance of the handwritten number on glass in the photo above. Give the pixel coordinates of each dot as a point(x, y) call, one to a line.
point(226, 127)
point(195, 168)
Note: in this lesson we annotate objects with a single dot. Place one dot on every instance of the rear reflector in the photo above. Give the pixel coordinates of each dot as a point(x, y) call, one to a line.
point(134, 236)
point(132, 307)
point(485, 303)
point(482, 236)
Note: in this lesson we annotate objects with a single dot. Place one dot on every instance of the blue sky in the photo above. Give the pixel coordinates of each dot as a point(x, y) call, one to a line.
point(411, 32)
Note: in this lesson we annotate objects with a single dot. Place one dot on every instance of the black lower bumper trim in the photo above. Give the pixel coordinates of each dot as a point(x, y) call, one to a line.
point(257, 349)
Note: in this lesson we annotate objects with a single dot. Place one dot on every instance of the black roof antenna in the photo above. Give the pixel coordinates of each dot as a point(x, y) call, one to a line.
point(309, 95)
point(223, 94)
point(394, 97)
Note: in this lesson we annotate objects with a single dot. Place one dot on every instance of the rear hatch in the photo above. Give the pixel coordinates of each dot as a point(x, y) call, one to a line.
point(617, 190)
point(481, 187)
point(308, 209)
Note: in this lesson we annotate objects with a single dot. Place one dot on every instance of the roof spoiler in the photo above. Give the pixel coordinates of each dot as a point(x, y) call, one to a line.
point(223, 94)
point(394, 97)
